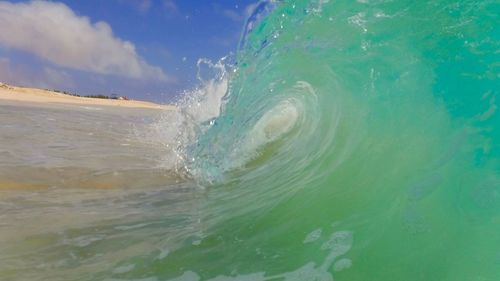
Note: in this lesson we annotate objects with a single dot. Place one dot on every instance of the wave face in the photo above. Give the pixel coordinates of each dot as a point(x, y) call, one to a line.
point(357, 141)
point(349, 140)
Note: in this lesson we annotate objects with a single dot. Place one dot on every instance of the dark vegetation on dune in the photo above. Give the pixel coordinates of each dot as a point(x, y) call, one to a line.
point(100, 96)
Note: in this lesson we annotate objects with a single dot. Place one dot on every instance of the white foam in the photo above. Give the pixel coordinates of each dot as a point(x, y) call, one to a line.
point(130, 227)
point(272, 126)
point(275, 123)
point(124, 269)
point(177, 129)
point(163, 253)
point(340, 242)
point(313, 236)
point(342, 264)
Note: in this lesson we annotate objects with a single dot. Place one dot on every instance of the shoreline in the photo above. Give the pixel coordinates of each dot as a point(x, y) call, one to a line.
point(34, 95)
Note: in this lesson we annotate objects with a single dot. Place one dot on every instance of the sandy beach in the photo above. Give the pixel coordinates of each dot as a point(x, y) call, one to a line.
point(33, 95)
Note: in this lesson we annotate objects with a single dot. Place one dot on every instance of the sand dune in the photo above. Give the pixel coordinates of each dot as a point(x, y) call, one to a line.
point(33, 95)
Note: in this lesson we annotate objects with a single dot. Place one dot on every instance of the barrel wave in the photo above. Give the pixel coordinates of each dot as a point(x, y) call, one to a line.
point(345, 140)
point(356, 141)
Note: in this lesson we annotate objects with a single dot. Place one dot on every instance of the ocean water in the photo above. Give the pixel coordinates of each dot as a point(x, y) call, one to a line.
point(346, 140)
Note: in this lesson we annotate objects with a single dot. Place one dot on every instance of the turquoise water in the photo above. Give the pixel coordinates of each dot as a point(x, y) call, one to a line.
point(390, 168)
point(356, 140)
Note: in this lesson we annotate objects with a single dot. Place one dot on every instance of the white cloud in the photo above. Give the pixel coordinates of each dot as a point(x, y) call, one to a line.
point(52, 31)
point(42, 77)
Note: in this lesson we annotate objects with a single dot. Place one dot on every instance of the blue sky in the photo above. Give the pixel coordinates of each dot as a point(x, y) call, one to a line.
point(144, 49)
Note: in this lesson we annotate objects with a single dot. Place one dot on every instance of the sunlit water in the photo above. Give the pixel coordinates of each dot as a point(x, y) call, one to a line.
point(348, 140)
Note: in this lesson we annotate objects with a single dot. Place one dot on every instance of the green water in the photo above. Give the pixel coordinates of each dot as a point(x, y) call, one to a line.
point(391, 171)
point(359, 140)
